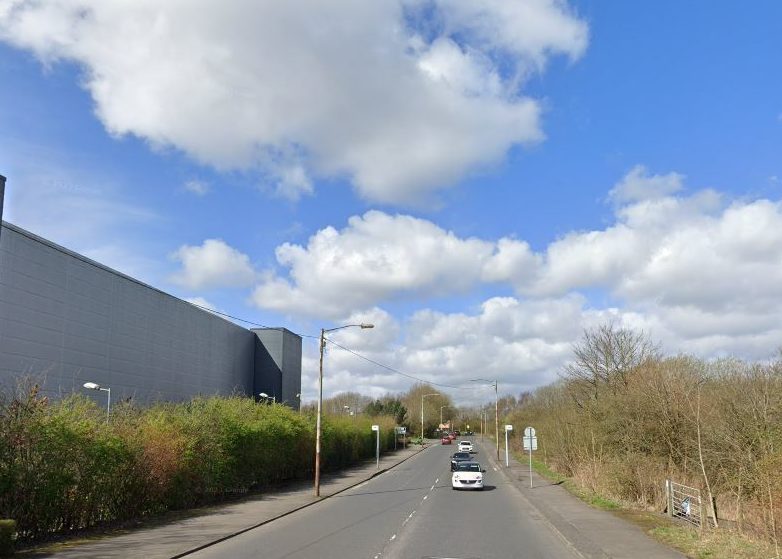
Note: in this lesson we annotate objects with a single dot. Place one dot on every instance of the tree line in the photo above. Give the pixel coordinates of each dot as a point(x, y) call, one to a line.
point(624, 417)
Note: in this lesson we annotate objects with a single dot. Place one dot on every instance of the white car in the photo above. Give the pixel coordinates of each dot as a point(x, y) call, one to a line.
point(468, 475)
point(465, 446)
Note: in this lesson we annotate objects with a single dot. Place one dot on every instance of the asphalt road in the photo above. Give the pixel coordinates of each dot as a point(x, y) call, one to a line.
point(408, 512)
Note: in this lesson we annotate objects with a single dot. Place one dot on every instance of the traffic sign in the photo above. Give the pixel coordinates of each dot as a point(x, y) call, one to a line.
point(509, 427)
point(530, 443)
point(376, 427)
point(529, 432)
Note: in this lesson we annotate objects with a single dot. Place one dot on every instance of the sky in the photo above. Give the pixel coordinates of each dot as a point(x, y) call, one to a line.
point(481, 181)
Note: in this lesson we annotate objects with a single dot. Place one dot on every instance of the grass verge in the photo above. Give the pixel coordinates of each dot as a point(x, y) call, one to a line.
point(712, 544)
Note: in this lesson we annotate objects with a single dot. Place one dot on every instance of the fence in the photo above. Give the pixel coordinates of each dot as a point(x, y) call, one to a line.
point(684, 503)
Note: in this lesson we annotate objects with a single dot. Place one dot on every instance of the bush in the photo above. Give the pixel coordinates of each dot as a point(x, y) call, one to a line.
point(7, 533)
point(62, 468)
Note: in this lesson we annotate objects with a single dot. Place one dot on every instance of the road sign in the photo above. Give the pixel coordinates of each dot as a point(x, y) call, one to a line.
point(401, 430)
point(530, 443)
point(376, 427)
point(509, 427)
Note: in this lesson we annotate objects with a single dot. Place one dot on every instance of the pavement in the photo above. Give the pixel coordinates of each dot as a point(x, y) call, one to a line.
point(167, 538)
point(593, 533)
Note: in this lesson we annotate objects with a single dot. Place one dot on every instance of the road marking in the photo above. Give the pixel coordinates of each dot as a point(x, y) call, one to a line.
point(392, 538)
point(426, 497)
point(431, 488)
point(437, 481)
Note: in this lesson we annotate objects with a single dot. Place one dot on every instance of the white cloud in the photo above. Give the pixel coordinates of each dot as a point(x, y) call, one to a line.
point(379, 256)
point(638, 185)
point(303, 89)
point(697, 273)
point(214, 264)
point(197, 187)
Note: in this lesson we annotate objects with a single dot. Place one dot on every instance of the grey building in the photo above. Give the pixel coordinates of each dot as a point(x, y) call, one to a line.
point(66, 320)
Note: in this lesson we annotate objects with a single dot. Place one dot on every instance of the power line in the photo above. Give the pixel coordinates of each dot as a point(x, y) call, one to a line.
point(396, 371)
point(367, 359)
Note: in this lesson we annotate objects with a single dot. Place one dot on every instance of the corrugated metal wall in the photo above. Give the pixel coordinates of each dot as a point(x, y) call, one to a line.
point(65, 320)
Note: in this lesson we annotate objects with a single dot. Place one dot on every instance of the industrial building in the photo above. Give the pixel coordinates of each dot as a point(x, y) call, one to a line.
point(66, 320)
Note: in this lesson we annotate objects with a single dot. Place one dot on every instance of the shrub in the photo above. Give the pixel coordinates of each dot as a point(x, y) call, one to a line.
point(7, 533)
point(62, 468)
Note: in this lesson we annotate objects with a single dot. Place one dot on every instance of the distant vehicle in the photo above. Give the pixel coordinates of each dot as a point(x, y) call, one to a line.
point(452, 436)
point(459, 457)
point(457, 433)
point(468, 475)
point(445, 440)
point(465, 446)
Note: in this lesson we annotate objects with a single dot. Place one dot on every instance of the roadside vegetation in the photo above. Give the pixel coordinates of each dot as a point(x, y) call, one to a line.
point(623, 418)
point(63, 468)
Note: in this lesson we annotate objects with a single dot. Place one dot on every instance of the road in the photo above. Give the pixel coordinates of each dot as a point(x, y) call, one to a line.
point(408, 512)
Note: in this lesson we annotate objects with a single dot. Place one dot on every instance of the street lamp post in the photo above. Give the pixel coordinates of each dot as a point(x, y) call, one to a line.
point(96, 386)
point(422, 412)
point(496, 412)
point(441, 413)
point(320, 398)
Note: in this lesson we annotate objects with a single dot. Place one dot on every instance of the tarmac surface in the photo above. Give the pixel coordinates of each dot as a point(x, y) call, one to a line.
point(591, 533)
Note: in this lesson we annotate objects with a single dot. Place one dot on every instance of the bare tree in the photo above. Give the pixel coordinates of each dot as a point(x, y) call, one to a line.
point(605, 356)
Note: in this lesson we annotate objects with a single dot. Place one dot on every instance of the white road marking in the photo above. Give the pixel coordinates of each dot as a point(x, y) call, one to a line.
point(392, 538)
point(431, 488)
point(426, 497)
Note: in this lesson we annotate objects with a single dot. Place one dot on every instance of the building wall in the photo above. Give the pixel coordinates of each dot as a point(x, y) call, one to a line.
point(65, 320)
point(278, 364)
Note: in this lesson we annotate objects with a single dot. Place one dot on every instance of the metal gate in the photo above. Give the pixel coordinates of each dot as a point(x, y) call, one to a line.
point(685, 503)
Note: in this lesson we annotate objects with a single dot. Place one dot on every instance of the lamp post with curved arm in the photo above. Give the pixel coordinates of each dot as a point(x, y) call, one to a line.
point(96, 386)
point(441, 413)
point(320, 397)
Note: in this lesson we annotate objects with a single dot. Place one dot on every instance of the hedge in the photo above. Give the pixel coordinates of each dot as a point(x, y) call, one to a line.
point(62, 468)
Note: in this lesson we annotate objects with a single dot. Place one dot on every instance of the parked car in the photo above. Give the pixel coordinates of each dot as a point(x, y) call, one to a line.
point(468, 475)
point(459, 457)
point(452, 436)
point(445, 440)
point(465, 446)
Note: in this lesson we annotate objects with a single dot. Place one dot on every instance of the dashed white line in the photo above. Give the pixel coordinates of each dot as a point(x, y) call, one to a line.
point(426, 497)
point(392, 538)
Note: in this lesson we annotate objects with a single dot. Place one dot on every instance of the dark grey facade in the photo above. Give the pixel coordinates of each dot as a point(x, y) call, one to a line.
point(278, 350)
point(66, 320)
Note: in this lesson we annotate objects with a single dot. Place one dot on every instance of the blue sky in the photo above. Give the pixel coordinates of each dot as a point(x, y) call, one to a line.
point(482, 181)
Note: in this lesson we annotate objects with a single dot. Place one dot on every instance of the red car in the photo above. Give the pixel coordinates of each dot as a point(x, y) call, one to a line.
point(451, 436)
point(446, 440)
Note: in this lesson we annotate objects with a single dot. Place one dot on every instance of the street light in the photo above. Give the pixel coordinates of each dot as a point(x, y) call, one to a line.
point(265, 396)
point(422, 412)
point(441, 414)
point(320, 397)
point(96, 386)
point(298, 399)
point(496, 412)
